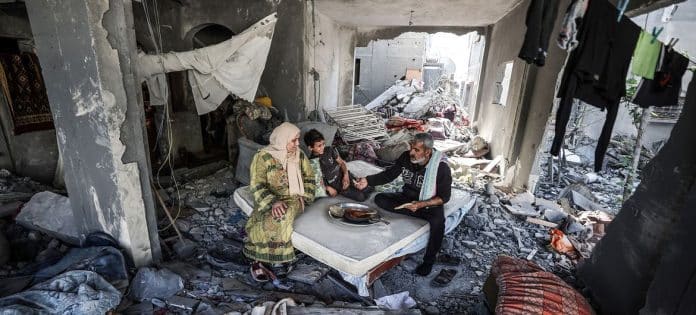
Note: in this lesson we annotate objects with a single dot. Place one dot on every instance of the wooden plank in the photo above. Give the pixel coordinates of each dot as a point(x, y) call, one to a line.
point(378, 271)
point(542, 222)
point(489, 168)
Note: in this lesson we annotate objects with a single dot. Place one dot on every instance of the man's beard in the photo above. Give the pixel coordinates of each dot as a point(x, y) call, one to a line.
point(420, 161)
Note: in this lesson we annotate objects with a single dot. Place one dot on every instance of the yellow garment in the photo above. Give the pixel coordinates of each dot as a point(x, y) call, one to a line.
point(280, 137)
point(264, 101)
point(269, 239)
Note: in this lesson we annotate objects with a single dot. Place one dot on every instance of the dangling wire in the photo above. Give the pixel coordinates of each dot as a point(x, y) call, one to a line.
point(157, 41)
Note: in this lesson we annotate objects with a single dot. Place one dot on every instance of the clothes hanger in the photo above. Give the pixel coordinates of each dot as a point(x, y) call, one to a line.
point(655, 33)
point(672, 43)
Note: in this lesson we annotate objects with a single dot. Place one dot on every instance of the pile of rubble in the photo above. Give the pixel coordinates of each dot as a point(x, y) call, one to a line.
point(576, 168)
point(407, 98)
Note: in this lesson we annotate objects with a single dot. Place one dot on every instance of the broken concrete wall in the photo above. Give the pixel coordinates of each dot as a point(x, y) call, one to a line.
point(538, 107)
point(648, 231)
point(328, 50)
point(33, 154)
point(87, 50)
point(497, 123)
point(383, 62)
point(386, 52)
point(283, 78)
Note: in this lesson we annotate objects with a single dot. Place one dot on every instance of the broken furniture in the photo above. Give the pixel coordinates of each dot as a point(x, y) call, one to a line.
point(362, 254)
point(356, 124)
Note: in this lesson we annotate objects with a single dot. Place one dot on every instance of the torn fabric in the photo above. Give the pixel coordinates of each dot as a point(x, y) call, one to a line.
point(231, 67)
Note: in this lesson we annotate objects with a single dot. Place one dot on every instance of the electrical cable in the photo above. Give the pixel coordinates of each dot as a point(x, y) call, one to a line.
point(157, 41)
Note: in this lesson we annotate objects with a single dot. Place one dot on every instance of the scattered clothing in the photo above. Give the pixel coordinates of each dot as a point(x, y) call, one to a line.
point(73, 292)
point(572, 21)
point(23, 87)
point(596, 71)
point(106, 261)
point(665, 88)
point(645, 56)
point(396, 302)
point(150, 283)
point(541, 17)
point(363, 151)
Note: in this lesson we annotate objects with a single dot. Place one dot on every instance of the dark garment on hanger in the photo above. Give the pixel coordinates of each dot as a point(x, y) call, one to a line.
point(596, 71)
point(664, 90)
point(541, 17)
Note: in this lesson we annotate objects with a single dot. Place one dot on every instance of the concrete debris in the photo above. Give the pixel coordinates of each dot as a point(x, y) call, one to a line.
point(52, 214)
point(150, 283)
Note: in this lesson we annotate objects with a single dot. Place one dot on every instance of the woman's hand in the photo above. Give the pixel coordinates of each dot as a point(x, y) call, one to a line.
point(278, 209)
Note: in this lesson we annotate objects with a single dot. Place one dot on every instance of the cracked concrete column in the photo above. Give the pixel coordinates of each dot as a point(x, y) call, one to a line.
point(86, 50)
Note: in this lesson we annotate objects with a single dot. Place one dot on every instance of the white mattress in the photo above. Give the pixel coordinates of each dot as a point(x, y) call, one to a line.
point(353, 249)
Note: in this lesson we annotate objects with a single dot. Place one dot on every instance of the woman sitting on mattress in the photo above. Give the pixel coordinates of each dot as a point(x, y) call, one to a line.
point(282, 183)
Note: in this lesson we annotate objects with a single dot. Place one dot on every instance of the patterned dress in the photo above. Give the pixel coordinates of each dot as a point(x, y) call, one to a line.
point(269, 238)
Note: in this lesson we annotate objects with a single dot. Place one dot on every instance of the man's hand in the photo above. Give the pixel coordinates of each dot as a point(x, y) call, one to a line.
point(413, 206)
point(278, 209)
point(346, 181)
point(360, 183)
point(331, 191)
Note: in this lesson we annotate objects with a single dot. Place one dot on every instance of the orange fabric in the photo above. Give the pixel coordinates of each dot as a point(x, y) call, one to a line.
point(525, 288)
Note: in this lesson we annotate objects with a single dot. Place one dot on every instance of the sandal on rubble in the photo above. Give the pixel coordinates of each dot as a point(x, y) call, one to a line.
point(258, 272)
point(444, 278)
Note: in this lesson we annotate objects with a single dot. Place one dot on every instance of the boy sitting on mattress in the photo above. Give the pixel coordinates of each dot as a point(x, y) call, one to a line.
point(336, 178)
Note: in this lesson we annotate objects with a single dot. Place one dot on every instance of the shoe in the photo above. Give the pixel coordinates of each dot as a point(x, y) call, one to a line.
point(424, 269)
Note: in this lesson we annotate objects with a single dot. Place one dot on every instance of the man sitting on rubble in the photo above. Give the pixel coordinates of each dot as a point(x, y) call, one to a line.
point(333, 168)
point(427, 187)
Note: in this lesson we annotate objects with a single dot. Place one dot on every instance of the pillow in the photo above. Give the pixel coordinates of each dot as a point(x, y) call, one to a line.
point(320, 191)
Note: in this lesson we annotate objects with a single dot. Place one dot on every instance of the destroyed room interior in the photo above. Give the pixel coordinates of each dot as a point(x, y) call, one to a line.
point(347, 157)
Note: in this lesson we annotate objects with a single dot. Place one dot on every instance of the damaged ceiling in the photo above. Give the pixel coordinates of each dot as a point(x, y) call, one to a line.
point(425, 13)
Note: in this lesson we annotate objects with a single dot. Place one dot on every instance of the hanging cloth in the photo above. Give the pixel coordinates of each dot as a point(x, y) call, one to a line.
point(230, 67)
point(541, 17)
point(645, 56)
point(665, 88)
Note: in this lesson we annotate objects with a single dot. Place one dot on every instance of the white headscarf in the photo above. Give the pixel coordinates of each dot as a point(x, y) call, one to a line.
point(280, 137)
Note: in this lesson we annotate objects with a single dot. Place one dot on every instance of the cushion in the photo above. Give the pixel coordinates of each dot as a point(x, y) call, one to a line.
point(320, 191)
point(525, 288)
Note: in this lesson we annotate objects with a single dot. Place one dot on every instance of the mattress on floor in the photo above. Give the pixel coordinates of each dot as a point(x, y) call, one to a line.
point(353, 249)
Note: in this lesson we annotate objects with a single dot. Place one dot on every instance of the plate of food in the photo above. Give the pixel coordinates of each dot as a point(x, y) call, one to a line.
point(355, 213)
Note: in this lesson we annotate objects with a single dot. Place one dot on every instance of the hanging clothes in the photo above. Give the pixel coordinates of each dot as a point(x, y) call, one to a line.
point(646, 55)
point(596, 71)
point(541, 17)
point(665, 88)
point(572, 20)
point(214, 72)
